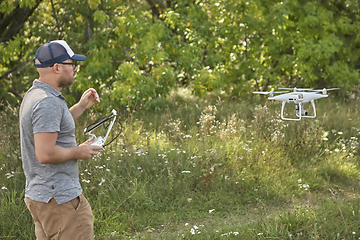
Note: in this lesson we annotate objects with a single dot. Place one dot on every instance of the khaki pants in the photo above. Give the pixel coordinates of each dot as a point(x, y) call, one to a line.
point(71, 220)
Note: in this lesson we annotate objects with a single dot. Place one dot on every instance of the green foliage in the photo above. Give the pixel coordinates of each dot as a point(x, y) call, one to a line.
point(207, 170)
point(216, 45)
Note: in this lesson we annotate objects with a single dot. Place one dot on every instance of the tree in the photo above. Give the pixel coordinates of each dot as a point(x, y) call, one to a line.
point(137, 51)
point(13, 16)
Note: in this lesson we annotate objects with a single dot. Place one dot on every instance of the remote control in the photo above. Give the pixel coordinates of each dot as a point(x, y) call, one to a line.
point(99, 141)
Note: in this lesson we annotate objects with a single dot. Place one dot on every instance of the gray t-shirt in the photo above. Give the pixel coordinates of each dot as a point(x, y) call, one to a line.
point(44, 109)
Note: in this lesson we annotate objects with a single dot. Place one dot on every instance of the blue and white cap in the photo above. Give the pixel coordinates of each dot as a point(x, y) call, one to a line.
point(55, 52)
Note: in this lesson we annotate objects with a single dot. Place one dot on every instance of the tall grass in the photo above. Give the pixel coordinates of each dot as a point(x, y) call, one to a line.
point(210, 169)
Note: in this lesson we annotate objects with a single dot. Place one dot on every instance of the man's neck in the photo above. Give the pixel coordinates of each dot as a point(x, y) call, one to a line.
point(52, 83)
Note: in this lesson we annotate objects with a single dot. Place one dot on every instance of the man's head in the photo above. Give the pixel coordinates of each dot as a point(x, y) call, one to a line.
point(55, 62)
point(55, 52)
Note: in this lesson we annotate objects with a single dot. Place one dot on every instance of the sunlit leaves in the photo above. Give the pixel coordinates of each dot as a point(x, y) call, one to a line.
point(226, 45)
point(207, 81)
point(93, 4)
point(135, 87)
point(9, 5)
point(100, 16)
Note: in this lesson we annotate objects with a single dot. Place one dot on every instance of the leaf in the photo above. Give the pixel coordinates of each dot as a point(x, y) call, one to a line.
point(100, 16)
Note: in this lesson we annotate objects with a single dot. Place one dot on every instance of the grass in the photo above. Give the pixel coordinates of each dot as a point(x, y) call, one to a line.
point(210, 169)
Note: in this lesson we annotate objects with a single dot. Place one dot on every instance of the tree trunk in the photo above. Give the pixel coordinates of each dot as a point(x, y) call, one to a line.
point(10, 24)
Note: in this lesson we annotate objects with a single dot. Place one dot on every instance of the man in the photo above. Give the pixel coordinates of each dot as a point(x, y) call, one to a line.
point(49, 150)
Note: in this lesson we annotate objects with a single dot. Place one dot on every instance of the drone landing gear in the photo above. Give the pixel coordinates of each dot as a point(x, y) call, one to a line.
point(300, 112)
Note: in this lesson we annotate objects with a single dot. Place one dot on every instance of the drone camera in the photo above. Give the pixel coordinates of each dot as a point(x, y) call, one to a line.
point(303, 112)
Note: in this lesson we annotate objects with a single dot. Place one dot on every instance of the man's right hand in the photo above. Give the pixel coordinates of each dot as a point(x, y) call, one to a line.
point(89, 151)
point(47, 152)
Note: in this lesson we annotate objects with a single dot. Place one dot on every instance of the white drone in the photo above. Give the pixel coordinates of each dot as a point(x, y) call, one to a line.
point(299, 99)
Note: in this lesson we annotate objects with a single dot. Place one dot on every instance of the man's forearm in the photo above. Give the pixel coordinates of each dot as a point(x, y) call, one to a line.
point(88, 98)
point(57, 155)
point(76, 110)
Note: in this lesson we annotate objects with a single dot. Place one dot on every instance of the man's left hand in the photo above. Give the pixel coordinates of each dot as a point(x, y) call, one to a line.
point(88, 98)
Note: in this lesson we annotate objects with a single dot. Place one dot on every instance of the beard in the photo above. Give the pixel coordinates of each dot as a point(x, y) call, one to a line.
point(66, 81)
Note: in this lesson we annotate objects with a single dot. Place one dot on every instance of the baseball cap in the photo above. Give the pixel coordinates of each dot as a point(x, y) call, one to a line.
point(55, 52)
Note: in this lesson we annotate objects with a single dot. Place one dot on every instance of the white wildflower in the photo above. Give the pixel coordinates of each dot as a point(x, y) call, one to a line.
point(102, 181)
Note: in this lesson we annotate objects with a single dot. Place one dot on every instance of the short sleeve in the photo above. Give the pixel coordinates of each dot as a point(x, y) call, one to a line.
point(46, 116)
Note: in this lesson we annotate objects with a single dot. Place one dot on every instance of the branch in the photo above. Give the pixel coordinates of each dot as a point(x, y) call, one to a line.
point(5, 75)
point(18, 95)
point(11, 24)
point(58, 23)
point(155, 9)
point(161, 4)
point(54, 13)
point(123, 48)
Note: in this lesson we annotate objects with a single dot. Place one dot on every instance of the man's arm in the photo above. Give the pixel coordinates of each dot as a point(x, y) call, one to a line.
point(88, 98)
point(48, 152)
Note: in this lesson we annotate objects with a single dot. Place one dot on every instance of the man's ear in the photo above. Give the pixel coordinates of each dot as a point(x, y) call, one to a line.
point(55, 68)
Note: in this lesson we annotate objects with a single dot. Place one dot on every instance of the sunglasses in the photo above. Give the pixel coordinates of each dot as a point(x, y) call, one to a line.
point(72, 63)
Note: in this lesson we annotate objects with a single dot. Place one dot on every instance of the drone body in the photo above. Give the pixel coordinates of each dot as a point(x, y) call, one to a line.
point(299, 99)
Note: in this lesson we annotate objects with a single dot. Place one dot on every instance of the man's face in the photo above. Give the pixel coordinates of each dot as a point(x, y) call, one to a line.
point(68, 72)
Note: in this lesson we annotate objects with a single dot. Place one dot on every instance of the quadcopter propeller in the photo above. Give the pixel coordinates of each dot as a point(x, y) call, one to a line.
point(324, 90)
point(298, 89)
point(271, 93)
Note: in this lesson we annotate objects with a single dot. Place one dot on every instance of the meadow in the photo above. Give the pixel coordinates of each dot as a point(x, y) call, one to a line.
point(210, 168)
